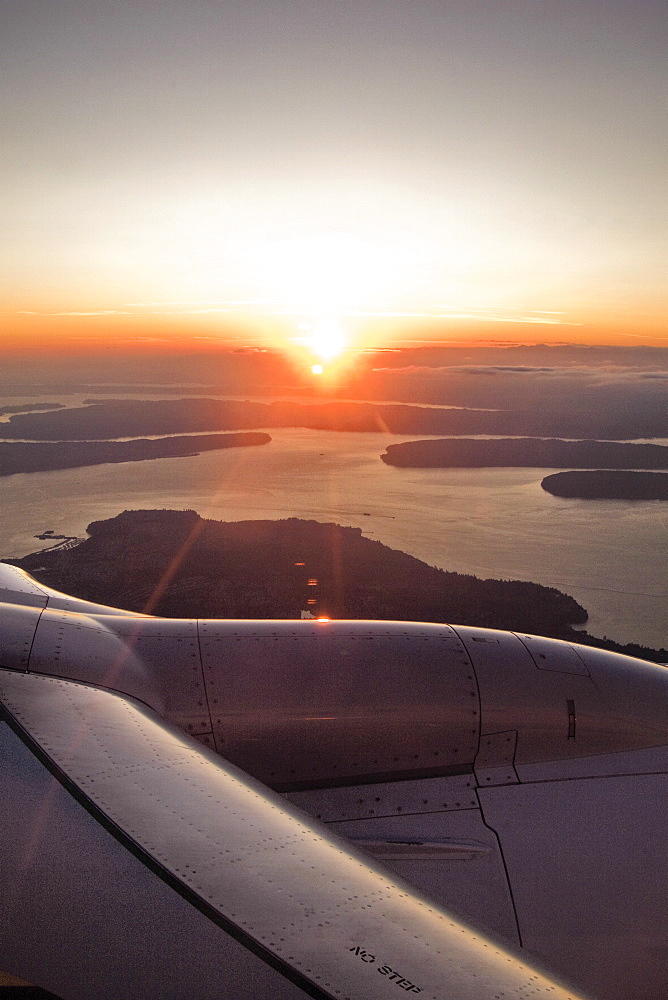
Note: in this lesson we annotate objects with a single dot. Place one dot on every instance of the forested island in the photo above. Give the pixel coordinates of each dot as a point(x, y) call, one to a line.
point(109, 418)
point(451, 453)
point(30, 456)
point(607, 484)
point(176, 564)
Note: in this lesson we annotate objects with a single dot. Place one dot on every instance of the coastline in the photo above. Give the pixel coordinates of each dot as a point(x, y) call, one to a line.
point(487, 522)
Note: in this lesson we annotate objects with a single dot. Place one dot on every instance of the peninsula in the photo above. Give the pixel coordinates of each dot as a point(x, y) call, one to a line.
point(31, 456)
point(552, 453)
point(29, 407)
point(606, 484)
point(177, 564)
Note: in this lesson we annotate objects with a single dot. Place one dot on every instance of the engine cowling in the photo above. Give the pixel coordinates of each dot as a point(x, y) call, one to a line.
point(304, 704)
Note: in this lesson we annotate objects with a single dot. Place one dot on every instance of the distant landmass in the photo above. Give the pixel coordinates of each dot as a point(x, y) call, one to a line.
point(27, 407)
point(27, 456)
point(129, 418)
point(177, 564)
point(606, 484)
point(109, 419)
point(552, 453)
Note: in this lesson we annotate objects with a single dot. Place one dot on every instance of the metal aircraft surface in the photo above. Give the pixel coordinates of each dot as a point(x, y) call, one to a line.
point(212, 808)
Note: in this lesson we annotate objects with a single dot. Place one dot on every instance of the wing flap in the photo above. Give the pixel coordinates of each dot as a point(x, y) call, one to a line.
point(305, 900)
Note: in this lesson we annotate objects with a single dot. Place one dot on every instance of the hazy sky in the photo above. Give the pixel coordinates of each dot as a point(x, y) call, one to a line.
point(493, 159)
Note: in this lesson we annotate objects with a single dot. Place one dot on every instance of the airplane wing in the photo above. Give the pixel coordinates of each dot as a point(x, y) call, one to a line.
point(18, 587)
point(136, 862)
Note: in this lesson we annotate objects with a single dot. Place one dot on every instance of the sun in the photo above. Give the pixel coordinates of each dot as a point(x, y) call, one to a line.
point(325, 346)
point(326, 338)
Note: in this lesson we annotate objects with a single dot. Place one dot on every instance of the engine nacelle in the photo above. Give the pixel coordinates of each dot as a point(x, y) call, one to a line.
point(302, 704)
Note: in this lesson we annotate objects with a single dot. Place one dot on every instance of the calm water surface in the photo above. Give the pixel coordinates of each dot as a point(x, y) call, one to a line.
point(609, 555)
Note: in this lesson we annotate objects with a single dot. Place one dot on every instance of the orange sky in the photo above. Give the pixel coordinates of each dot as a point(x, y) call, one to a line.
point(184, 175)
point(195, 333)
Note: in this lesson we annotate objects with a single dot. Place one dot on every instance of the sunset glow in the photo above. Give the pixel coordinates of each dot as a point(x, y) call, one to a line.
point(326, 338)
point(378, 170)
point(327, 272)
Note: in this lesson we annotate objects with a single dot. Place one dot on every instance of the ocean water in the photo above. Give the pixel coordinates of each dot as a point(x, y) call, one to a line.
point(609, 555)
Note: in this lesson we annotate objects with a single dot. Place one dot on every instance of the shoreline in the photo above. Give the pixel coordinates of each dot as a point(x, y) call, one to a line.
point(466, 521)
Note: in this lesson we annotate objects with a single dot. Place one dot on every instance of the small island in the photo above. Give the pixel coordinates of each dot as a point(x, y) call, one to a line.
point(608, 484)
point(44, 456)
point(177, 564)
point(550, 453)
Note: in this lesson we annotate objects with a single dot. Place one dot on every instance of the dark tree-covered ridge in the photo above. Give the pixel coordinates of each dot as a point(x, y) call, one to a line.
point(247, 569)
point(607, 484)
point(176, 564)
point(42, 456)
point(550, 453)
